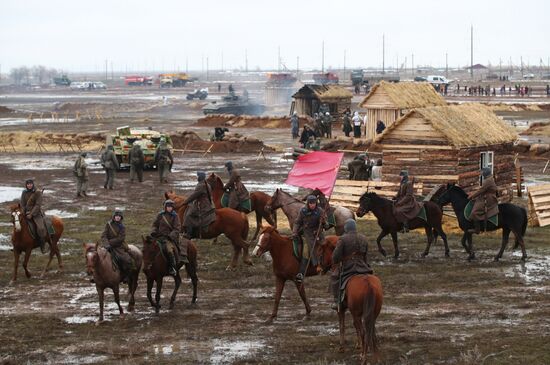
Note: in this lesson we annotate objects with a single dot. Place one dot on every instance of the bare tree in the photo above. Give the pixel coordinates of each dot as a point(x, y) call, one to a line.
point(39, 73)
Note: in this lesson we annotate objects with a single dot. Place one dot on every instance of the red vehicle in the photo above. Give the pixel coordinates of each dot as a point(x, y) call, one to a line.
point(325, 78)
point(138, 81)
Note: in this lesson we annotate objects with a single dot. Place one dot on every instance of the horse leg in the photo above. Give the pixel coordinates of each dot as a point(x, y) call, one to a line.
point(246, 255)
point(116, 292)
point(429, 236)
point(505, 238)
point(258, 225)
point(177, 281)
point(382, 234)
point(26, 262)
point(395, 244)
point(519, 241)
point(342, 322)
point(463, 242)
point(16, 255)
point(471, 245)
point(49, 262)
point(235, 258)
point(132, 286)
point(302, 291)
point(279, 286)
point(59, 260)
point(157, 295)
point(150, 282)
point(192, 272)
point(439, 230)
point(101, 303)
point(358, 324)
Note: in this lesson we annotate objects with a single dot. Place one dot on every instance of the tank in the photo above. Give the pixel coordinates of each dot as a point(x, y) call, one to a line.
point(234, 104)
point(147, 138)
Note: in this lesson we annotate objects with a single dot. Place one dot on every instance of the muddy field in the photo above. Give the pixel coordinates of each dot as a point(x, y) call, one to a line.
point(436, 310)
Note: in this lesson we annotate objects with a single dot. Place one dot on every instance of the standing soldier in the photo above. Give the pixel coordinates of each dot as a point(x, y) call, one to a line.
point(238, 194)
point(346, 123)
point(164, 160)
point(200, 211)
point(405, 207)
point(166, 229)
point(81, 172)
point(351, 252)
point(113, 239)
point(31, 205)
point(137, 162)
point(327, 122)
point(294, 125)
point(110, 164)
point(309, 220)
point(485, 201)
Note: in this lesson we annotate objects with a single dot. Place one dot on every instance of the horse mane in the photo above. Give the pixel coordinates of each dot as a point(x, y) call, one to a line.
point(218, 180)
point(459, 190)
point(375, 197)
point(291, 196)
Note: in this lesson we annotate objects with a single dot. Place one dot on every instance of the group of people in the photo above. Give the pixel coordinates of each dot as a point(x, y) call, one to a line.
point(363, 168)
point(163, 158)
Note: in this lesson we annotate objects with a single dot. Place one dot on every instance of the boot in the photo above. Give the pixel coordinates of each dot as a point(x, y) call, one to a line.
point(42, 244)
point(184, 258)
point(405, 227)
point(477, 227)
point(172, 264)
point(302, 271)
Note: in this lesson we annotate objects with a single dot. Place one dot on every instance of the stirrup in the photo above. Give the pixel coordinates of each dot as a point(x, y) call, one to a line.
point(299, 278)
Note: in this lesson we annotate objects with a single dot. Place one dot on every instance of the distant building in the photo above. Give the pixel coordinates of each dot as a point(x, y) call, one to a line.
point(309, 98)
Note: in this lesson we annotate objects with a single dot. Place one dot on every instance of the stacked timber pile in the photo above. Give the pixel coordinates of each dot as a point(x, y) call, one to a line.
point(189, 141)
point(449, 144)
point(249, 121)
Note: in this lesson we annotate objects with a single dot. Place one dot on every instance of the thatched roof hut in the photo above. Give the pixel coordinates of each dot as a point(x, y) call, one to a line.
point(450, 144)
point(310, 97)
point(389, 101)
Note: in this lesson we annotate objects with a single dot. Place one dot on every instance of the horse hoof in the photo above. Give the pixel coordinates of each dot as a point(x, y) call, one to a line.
point(524, 258)
point(130, 308)
point(171, 305)
point(383, 253)
point(447, 254)
point(122, 316)
point(341, 349)
point(424, 254)
point(230, 268)
point(496, 259)
point(28, 275)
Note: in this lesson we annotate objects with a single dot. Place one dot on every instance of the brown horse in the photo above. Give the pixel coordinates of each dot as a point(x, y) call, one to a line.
point(24, 242)
point(364, 298)
point(155, 267)
point(285, 265)
point(382, 209)
point(233, 224)
point(99, 265)
point(258, 202)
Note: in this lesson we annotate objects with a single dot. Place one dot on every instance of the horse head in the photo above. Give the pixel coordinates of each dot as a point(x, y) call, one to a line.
point(214, 181)
point(275, 202)
point(365, 203)
point(92, 257)
point(150, 249)
point(450, 194)
point(264, 241)
point(324, 252)
point(16, 216)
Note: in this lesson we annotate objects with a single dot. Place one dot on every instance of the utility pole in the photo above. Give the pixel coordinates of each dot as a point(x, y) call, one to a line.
point(383, 53)
point(412, 64)
point(323, 57)
point(246, 60)
point(106, 71)
point(298, 68)
point(397, 63)
point(500, 67)
point(472, 51)
point(279, 59)
point(186, 64)
point(222, 62)
point(521, 65)
point(207, 68)
point(112, 72)
point(344, 64)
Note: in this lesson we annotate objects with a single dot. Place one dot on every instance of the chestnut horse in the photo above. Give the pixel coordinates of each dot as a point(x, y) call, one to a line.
point(258, 202)
point(24, 242)
point(233, 224)
point(382, 209)
point(155, 267)
point(99, 264)
point(285, 265)
point(364, 298)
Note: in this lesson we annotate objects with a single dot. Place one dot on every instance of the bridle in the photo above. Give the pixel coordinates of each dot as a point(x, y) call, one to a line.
point(16, 215)
point(258, 247)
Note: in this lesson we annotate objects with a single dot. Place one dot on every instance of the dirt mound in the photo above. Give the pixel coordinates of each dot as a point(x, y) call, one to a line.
point(538, 129)
point(519, 107)
point(232, 142)
point(4, 109)
point(249, 121)
point(49, 142)
point(103, 108)
point(342, 143)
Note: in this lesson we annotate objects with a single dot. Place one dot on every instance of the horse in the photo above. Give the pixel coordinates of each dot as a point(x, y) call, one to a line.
point(99, 264)
point(258, 202)
point(382, 208)
point(233, 224)
point(364, 298)
point(24, 242)
point(155, 267)
point(511, 218)
point(291, 207)
point(285, 265)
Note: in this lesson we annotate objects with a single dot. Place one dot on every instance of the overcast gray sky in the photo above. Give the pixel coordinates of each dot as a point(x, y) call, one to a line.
point(79, 35)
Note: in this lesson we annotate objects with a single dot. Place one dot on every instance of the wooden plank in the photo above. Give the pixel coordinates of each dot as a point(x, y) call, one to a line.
point(544, 222)
point(404, 146)
point(540, 199)
point(545, 187)
point(539, 192)
point(341, 182)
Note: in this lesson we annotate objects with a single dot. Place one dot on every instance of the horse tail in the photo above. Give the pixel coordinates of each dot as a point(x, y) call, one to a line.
point(369, 319)
point(246, 227)
point(525, 221)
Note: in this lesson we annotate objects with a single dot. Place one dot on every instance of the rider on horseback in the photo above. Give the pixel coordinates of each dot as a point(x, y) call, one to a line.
point(200, 210)
point(309, 220)
point(405, 207)
point(112, 239)
point(351, 252)
point(485, 201)
point(31, 205)
point(236, 189)
point(166, 229)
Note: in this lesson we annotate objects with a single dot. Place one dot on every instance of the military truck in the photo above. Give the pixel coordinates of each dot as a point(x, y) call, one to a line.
point(234, 104)
point(148, 140)
point(63, 80)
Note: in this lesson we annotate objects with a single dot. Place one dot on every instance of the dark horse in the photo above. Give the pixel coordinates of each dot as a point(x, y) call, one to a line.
point(383, 210)
point(155, 267)
point(511, 218)
point(364, 298)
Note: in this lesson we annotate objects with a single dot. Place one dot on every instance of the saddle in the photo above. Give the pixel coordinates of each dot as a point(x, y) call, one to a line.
point(245, 206)
point(47, 222)
point(298, 248)
point(468, 210)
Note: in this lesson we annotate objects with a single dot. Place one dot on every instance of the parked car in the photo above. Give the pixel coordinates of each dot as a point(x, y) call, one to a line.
point(420, 79)
point(434, 79)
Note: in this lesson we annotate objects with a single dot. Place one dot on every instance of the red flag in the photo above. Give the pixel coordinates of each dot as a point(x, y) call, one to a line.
point(316, 170)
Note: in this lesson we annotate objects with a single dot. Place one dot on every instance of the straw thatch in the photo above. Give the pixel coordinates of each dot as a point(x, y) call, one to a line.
point(407, 95)
point(323, 92)
point(465, 125)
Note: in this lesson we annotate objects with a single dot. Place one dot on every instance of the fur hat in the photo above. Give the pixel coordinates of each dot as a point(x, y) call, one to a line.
point(350, 226)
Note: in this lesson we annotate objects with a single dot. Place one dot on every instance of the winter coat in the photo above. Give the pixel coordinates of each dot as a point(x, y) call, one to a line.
point(351, 251)
point(200, 211)
point(237, 190)
point(136, 157)
point(81, 168)
point(406, 207)
point(485, 198)
point(109, 160)
point(167, 225)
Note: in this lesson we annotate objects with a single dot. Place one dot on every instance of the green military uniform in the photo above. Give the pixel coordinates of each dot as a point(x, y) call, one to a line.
point(200, 211)
point(236, 189)
point(31, 205)
point(164, 161)
point(81, 172)
point(113, 239)
point(137, 162)
point(167, 227)
point(110, 164)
